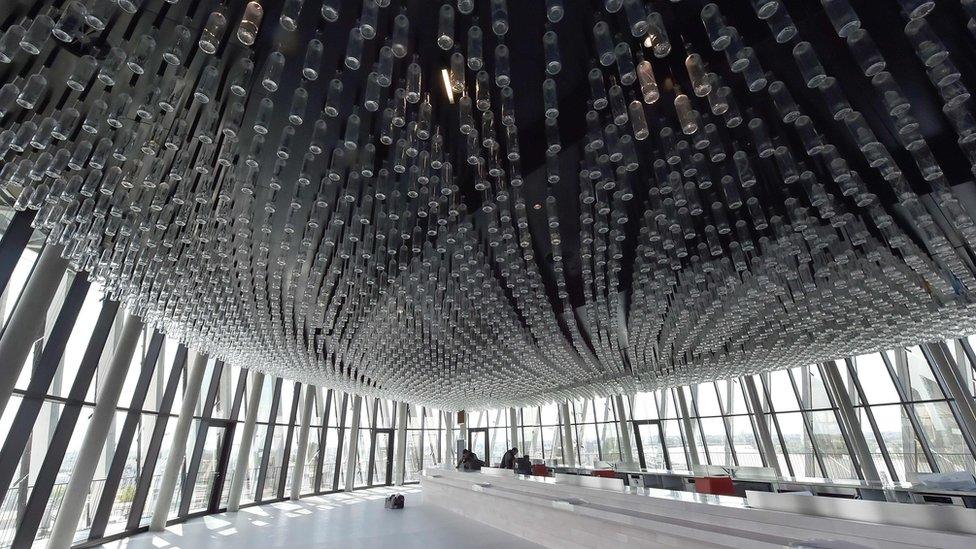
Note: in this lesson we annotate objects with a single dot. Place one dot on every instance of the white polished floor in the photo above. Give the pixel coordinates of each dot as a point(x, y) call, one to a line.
point(348, 520)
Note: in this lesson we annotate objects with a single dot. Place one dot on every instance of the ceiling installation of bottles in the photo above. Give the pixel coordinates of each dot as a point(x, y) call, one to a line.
point(471, 202)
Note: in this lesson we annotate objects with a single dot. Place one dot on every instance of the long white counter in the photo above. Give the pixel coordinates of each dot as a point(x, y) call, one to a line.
point(554, 514)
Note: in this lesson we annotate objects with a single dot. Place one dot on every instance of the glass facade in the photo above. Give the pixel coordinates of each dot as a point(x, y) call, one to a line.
point(49, 413)
point(903, 406)
point(907, 419)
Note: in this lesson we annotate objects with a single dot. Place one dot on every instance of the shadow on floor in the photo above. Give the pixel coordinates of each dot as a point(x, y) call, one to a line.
point(344, 520)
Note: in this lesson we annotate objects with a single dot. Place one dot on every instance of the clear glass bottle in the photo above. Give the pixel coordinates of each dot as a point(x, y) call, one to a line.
point(445, 27)
point(212, 33)
point(247, 31)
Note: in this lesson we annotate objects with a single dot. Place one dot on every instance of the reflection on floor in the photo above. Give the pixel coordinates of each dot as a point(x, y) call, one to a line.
point(348, 520)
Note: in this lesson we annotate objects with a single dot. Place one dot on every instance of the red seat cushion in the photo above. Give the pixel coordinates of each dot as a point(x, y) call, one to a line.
point(721, 486)
point(540, 470)
point(605, 473)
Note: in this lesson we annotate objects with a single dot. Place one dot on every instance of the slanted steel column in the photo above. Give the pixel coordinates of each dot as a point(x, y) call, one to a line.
point(352, 456)
point(848, 416)
point(298, 472)
point(623, 424)
point(247, 440)
point(29, 313)
point(66, 523)
point(762, 427)
point(569, 445)
point(167, 485)
point(400, 456)
point(688, 427)
point(948, 376)
point(513, 429)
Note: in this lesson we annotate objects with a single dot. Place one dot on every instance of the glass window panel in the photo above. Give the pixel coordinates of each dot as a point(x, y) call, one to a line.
point(875, 380)
point(275, 462)
point(77, 343)
point(381, 454)
point(798, 444)
point(665, 401)
point(733, 398)
point(643, 406)
point(744, 439)
point(498, 418)
point(944, 436)
point(603, 409)
point(552, 440)
point(675, 444)
point(498, 444)
point(582, 411)
point(267, 395)
point(900, 440)
point(550, 414)
point(717, 441)
point(830, 442)
point(810, 384)
point(779, 390)
point(919, 380)
point(588, 444)
point(329, 458)
point(706, 400)
point(415, 456)
point(609, 441)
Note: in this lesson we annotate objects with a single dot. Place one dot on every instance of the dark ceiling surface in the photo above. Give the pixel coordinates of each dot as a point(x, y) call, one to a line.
point(603, 309)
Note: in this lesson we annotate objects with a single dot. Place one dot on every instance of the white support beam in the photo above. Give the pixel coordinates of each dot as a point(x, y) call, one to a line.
point(765, 441)
point(242, 464)
point(690, 443)
point(86, 461)
point(513, 429)
point(848, 417)
point(400, 456)
point(298, 470)
point(29, 313)
point(352, 456)
point(177, 448)
point(569, 444)
point(623, 424)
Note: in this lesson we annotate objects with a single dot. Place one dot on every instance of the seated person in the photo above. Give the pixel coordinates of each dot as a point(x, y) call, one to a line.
point(508, 460)
point(523, 465)
point(469, 461)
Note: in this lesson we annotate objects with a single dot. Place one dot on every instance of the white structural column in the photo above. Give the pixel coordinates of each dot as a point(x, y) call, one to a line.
point(352, 456)
point(762, 427)
point(450, 456)
point(513, 430)
point(247, 440)
point(569, 445)
point(463, 431)
point(400, 456)
point(167, 485)
point(835, 384)
point(63, 532)
point(29, 313)
point(623, 423)
point(690, 444)
point(298, 470)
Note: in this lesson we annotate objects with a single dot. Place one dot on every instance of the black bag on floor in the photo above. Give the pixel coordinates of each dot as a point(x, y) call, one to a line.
point(394, 502)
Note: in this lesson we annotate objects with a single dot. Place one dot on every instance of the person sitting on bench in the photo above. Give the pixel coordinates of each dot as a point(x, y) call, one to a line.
point(508, 460)
point(469, 461)
point(523, 465)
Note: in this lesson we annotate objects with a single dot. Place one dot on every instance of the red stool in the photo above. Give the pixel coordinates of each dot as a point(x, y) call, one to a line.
point(605, 473)
point(719, 486)
point(540, 470)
